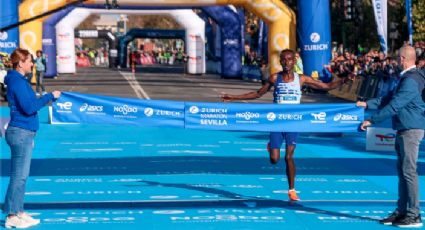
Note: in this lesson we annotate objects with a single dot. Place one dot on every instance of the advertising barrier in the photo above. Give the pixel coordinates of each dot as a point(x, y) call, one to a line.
point(380, 139)
point(85, 108)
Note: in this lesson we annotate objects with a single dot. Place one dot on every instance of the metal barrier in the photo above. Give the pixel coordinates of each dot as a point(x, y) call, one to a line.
point(362, 88)
point(348, 91)
point(251, 72)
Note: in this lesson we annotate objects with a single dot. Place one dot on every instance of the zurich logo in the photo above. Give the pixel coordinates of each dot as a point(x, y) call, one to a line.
point(194, 109)
point(271, 116)
point(315, 37)
point(84, 107)
point(148, 112)
point(3, 35)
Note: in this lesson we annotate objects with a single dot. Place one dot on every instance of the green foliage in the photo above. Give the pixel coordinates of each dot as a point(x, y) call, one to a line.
point(418, 18)
point(363, 30)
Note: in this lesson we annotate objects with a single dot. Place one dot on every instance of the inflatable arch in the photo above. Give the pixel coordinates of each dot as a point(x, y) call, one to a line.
point(145, 33)
point(49, 40)
point(105, 34)
point(194, 26)
point(229, 22)
point(280, 18)
point(230, 28)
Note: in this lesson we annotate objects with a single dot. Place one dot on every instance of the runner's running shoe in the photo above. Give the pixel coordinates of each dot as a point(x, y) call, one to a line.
point(292, 194)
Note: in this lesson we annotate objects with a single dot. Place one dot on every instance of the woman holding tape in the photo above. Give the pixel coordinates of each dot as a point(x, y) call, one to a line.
point(20, 134)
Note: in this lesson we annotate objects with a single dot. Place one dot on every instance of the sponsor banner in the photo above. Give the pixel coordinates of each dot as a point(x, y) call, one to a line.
point(85, 108)
point(93, 109)
point(272, 117)
point(380, 139)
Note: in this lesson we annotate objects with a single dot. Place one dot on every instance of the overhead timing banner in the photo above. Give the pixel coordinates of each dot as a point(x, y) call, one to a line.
point(380, 11)
point(314, 34)
point(93, 109)
point(9, 40)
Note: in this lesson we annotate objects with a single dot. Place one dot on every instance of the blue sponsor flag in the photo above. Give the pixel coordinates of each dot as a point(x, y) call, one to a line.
point(409, 20)
point(314, 34)
point(380, 12)
point(9, 39)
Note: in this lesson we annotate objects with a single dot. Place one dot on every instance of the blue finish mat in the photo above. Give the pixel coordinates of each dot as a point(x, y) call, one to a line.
point(124, 177)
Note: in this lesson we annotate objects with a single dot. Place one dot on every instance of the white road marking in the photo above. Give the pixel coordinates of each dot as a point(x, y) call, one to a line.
point(97, 150)
point(135, 85)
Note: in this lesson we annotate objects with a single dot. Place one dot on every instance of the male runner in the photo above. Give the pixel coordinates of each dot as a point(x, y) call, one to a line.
point(287, 90)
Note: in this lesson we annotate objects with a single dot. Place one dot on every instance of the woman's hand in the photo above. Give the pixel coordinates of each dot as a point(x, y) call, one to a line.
point(56, 94)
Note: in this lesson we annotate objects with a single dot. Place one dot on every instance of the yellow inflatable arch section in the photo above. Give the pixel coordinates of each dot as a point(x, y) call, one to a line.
point(280, 18)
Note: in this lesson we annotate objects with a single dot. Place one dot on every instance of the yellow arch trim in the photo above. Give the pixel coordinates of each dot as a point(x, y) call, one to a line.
point(280, 18)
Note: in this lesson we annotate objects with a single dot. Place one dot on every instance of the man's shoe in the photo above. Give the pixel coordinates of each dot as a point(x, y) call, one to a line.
point(292, 194)
point(44, 93)
point(391, 218)
point(37, 94)
point(16, 222)
point(27, 218)
point(409, 222)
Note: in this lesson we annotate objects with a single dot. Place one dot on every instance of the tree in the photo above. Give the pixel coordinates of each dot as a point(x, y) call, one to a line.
point(152, 22)
point(418, 18)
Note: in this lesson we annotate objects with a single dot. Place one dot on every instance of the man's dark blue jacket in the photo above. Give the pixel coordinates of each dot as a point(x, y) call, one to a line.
point(23, 103)
point(404, 105)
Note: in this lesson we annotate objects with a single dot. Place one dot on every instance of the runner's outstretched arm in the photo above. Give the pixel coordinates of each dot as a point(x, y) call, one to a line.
point(251, 95)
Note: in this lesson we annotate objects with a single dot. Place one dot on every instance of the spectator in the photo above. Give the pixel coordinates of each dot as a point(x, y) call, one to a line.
point(40, 69)
point(299, 68)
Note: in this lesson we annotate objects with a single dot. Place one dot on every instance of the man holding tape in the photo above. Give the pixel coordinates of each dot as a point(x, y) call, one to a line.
point(287, 90)
point(407, 110)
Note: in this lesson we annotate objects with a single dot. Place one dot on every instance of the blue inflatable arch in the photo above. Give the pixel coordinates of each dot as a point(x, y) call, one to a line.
point(144, 33)
point(230, 28)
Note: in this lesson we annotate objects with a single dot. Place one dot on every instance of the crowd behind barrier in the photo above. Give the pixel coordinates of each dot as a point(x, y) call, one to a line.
point(88, 57)
point(375, 73)
point(168, 57)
